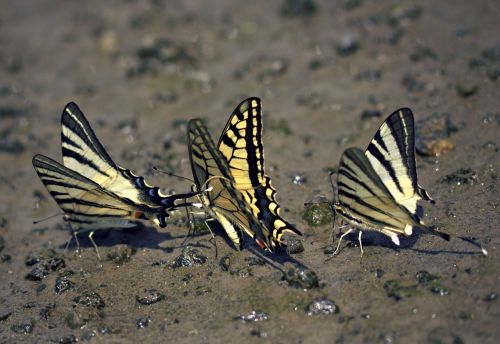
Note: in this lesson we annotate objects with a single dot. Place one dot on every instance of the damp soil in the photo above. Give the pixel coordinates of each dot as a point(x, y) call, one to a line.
point(328, 74)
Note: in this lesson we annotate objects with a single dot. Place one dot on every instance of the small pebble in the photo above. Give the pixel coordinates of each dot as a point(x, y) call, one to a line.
point(422, 53)
point(466, 90)
point(189, 257)
point(318, 214)
point(425, 277)
point(299, 179)
point(370, 113)
point(274, 68)
point(255, 261)
point(38, 272)
point(67, 339)
point(293, 245)
point(89, 299)
point(301, 277)
point(121, 255)
point(322, 306)
point(490, 297)
point(329, 249)
point(142, 322)
point(25, 327)
point(225, 262)
point(149, 297)
point(440, 290)
point(5, 314)
point(46, 310)
point(253, 316)
point(433, 133)
point(62, 284)
point(461, 176)
point(166, 96)
point(298, 8)
point(347, 45)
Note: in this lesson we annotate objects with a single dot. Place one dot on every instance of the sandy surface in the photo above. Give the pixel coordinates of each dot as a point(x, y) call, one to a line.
point(140, 69)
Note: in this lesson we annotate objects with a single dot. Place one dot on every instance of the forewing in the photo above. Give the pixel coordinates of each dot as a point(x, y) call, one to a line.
point(392, 155)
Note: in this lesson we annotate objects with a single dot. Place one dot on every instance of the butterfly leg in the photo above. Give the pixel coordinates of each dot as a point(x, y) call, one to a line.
point(74, 235)
point(190, 219)
point(340, 240)
point(213, 239)
point(360, 244)
point(334, 226)
point(93, 243)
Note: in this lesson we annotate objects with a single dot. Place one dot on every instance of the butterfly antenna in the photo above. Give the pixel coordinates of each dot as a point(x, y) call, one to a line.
point(47, 218)
point(172, 174)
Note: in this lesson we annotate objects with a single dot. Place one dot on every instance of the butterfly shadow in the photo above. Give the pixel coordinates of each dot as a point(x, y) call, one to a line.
point(138, 237)
point(276, 260)
point(371, 238)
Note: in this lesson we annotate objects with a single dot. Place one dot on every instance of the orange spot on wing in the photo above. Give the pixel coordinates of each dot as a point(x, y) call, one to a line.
point(260, 243)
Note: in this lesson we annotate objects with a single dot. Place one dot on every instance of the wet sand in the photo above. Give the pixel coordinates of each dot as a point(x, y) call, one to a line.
point(328, 75)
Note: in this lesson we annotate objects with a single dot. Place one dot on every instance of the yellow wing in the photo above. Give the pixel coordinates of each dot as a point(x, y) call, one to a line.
point(241, 145)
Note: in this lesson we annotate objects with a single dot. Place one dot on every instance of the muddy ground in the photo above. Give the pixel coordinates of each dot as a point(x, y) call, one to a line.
point(328, 73)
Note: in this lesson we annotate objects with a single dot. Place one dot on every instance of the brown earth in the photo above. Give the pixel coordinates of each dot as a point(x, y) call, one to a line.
point(140, 69)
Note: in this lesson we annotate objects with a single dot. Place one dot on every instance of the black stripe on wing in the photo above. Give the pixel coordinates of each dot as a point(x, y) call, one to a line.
point(66, 152)
point(200, 143)
point(42, 162)
point(250, 112)
point(74, 119)
point(270, 218)
point(402, 129)
point(356, 157)
point(56, 175)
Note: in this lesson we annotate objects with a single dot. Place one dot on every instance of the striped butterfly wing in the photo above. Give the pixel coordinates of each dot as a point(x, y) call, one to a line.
point(85, 203)
point(224, 202)
point(241, 145)
point(392, 155)
point(83, 153)
point(366, 202)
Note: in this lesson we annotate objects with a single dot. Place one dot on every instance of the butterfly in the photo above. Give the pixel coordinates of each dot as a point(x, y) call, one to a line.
point(378, 189)
point(240, 155)
point(221, 199)
point(241, 145)
point(93, 191)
